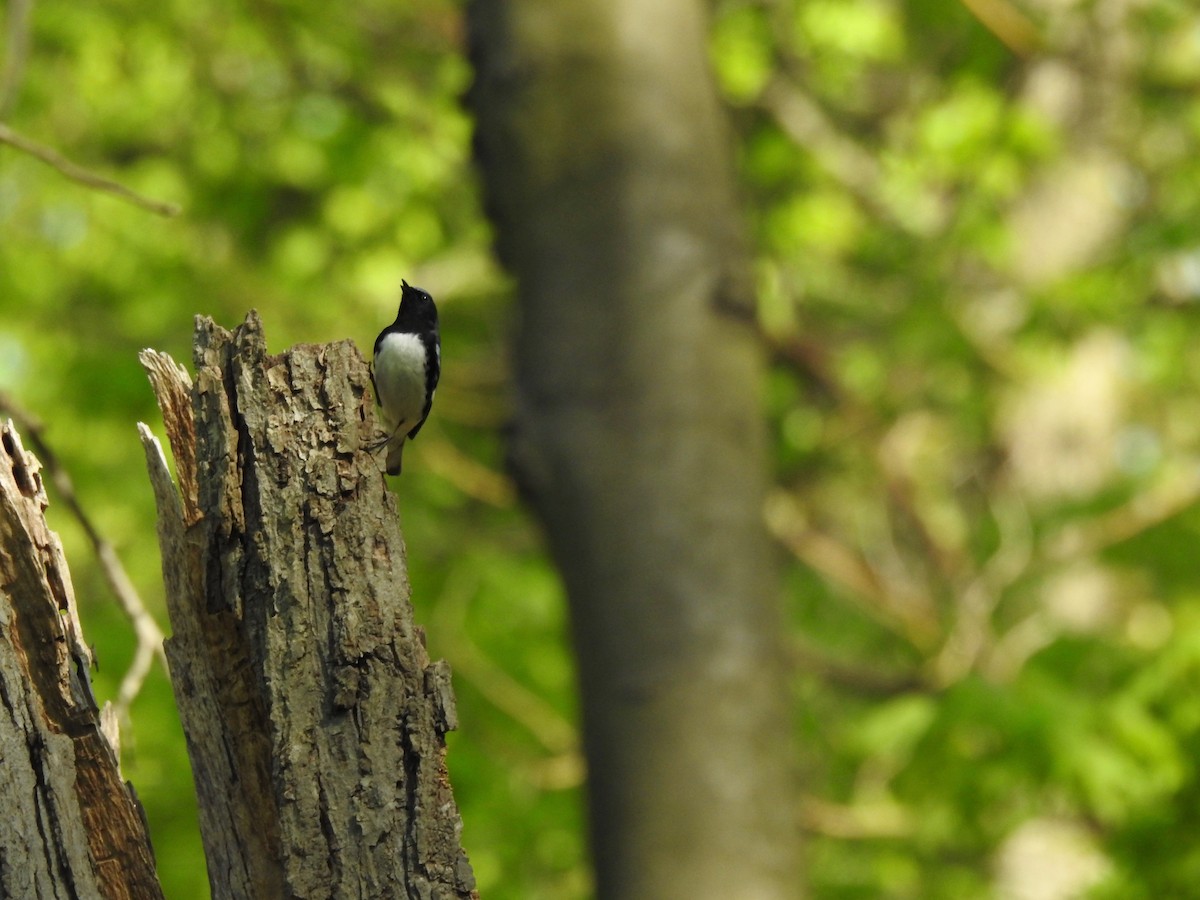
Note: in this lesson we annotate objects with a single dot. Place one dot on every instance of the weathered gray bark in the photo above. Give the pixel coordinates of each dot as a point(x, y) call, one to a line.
point(69, 827)
point(638, 435)
point(315, 721)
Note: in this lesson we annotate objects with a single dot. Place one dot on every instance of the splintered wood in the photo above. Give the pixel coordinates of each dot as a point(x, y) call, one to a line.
point(71, 826)
point(315, 720)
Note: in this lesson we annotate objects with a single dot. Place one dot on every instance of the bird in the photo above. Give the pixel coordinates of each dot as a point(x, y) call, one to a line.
point(405, 369)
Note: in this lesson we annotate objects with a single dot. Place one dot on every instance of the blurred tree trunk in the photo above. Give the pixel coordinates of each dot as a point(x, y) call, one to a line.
point(638, 437)
point(314, 719)
point(70, 826)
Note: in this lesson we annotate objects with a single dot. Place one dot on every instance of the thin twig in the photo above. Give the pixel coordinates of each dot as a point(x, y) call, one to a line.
point(524, 706)
point(862, 679)
point(77, 173)
point(471, 477)
point(146, 630)
point(1010, 26)
point(899, 609)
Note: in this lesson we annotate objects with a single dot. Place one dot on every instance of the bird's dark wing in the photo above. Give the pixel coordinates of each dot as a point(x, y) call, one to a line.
point(433, 352)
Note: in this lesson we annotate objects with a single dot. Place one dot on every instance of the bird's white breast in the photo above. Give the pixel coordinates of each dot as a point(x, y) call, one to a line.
point(400, 378)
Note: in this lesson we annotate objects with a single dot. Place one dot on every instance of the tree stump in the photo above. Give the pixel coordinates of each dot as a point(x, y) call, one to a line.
point(314, 718)
point(70, 827)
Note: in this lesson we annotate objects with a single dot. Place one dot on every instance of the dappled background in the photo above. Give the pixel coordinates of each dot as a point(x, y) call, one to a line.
point(977, 261)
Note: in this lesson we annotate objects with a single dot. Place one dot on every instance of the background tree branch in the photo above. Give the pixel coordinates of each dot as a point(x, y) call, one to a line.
point(80, 175)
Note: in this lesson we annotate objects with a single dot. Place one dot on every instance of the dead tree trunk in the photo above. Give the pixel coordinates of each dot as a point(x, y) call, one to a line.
point(638, 436)
point(315, 721)
point(69, 827)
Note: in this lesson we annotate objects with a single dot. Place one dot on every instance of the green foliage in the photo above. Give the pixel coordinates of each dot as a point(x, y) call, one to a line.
point(319, 157)
point(977, 264)
point(978, 274)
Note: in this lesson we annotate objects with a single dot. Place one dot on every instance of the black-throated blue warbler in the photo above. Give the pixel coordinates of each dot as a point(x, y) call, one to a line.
point(405, 370)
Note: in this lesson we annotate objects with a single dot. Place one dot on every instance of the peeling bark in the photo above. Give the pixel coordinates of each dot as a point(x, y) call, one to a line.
point(315, 721)
point(71, 827)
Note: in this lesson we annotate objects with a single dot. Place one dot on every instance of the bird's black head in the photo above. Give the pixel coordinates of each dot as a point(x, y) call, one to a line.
point(417, 310)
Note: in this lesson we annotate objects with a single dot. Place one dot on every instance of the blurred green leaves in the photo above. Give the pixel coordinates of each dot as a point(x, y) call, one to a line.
point(976, 279)
point(977, 266)
point(319, 158)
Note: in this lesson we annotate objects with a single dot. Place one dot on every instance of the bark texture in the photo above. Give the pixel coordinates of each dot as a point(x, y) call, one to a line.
point(70, 826)
point(315, 721)
point(638, 436)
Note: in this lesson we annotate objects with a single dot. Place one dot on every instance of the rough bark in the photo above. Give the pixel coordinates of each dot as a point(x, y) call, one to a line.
point(70, 826)
point(638, 436)
point(314, 719)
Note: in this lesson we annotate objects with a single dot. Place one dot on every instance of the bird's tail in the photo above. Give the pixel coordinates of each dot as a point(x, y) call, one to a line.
point(395, 449)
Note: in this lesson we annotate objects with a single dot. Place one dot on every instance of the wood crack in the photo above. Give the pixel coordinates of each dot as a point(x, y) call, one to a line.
point(298, 614)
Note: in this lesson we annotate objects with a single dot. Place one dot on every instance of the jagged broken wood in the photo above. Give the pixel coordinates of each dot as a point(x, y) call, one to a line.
point(70, 826)
point(314, 719)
